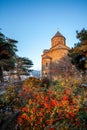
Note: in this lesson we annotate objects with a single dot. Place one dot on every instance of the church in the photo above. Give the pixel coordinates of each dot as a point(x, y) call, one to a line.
point(55, 61)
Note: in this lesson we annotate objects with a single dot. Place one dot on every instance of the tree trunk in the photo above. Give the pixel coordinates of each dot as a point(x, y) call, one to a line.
point(19, 78)
point(1, 75)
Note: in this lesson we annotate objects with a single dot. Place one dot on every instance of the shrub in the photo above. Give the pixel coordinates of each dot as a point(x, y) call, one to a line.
point(45, 82)
point(60, 107)
point(32, 82)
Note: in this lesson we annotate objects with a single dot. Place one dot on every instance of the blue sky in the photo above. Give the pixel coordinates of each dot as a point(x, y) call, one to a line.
point(34, 22)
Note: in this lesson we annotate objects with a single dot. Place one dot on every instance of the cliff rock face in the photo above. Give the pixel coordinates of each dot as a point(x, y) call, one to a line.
point(55, 61)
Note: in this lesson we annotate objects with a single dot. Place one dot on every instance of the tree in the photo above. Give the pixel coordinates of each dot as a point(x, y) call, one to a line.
point(23, 66)
point(8, 50)
point(79, 52)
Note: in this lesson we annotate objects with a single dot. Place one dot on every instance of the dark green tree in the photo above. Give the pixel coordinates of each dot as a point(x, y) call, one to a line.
point(23, 66)
point(8, 50)
point(79, 52)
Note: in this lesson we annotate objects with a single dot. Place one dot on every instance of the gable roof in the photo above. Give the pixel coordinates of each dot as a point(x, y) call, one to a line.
point(47, 57)
point(60, 46)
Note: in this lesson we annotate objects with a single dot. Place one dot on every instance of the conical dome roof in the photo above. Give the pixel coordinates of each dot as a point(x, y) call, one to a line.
point(58, 34)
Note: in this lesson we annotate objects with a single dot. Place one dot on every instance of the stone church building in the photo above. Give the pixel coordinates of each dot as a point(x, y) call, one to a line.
point(55, 61)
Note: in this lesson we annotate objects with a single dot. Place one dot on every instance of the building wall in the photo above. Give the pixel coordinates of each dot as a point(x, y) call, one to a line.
point(55, 61)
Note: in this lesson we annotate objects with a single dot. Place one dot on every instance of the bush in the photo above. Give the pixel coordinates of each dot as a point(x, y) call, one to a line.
point(45, 82)
point(60, 107)
point(32, 82)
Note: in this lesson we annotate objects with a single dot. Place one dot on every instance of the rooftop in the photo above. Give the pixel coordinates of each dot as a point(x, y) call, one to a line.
point(58, 34)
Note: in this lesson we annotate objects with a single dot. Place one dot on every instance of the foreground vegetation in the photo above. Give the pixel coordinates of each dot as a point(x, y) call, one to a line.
point(61, 106)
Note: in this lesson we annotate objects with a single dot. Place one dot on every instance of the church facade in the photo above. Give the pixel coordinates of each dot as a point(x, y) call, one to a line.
point(55, 61)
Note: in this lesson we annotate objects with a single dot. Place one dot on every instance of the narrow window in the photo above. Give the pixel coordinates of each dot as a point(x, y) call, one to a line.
point(46, 64)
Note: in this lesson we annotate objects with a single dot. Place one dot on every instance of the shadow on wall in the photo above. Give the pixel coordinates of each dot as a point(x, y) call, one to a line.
point(62, 68)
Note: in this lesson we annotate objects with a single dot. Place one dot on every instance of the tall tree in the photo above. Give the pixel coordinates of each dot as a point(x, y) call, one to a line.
point(79, 52)
point(8, 50)
point(23, 66)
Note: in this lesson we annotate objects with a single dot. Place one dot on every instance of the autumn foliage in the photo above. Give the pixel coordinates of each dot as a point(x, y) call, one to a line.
point(61, 107)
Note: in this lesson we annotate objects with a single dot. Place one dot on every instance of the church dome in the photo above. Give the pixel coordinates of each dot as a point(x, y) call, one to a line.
point(58, 34)
point(57, 39)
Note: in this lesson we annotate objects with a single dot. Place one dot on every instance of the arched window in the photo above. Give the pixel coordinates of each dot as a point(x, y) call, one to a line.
point(47, 65)
point(46, 74)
